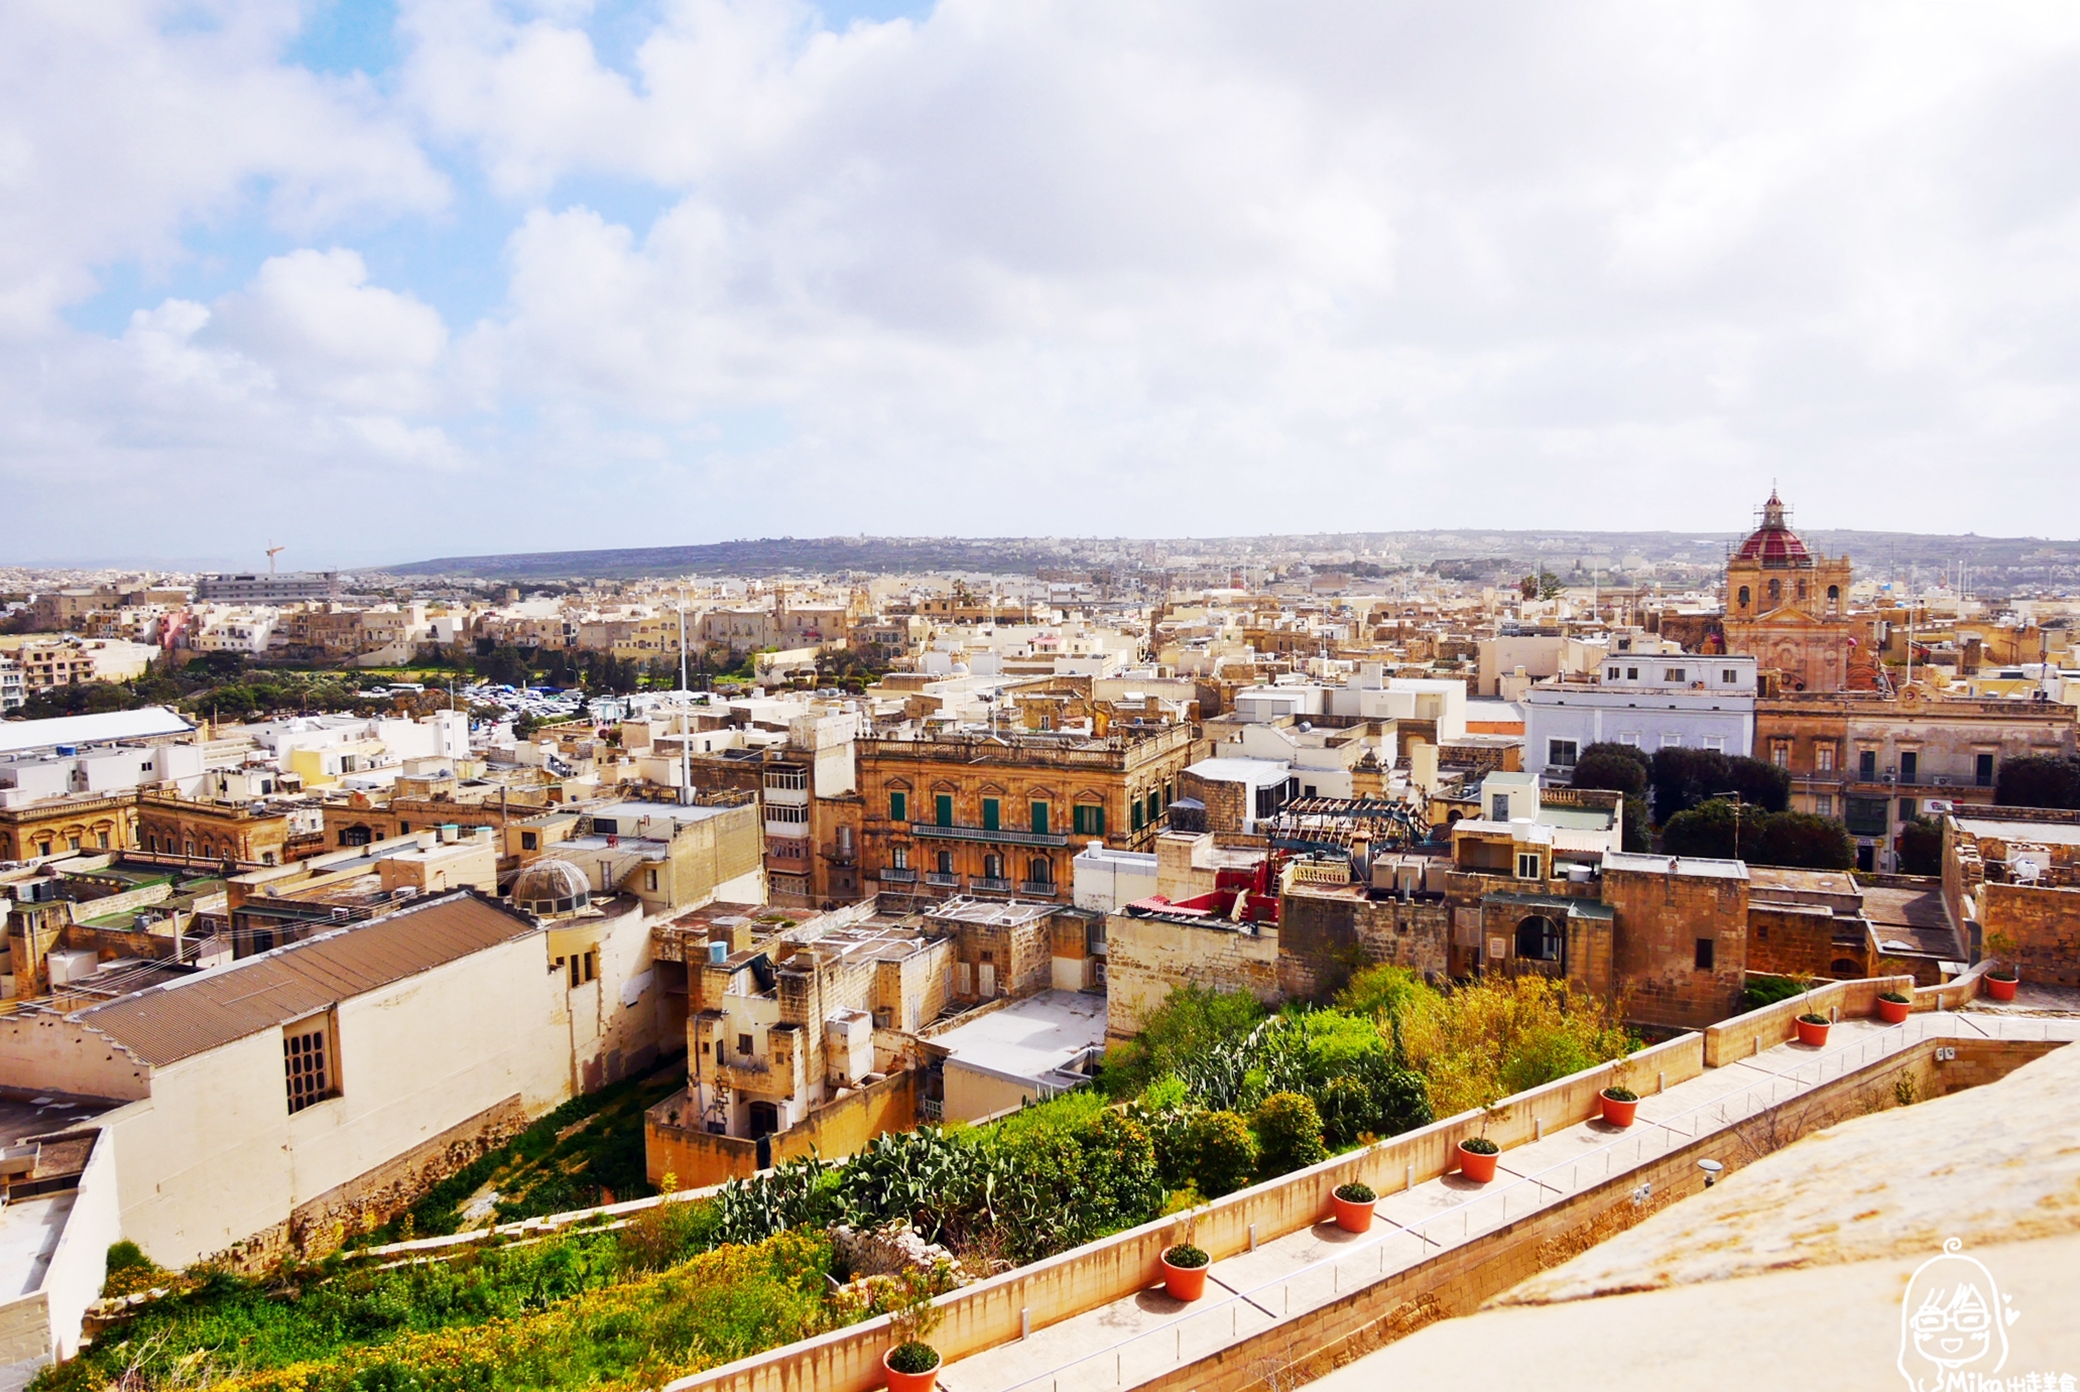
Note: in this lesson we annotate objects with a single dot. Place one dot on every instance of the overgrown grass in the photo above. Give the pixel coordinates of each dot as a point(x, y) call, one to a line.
point(570, 1312)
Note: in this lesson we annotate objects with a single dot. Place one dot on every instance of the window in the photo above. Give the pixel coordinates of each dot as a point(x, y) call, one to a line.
point(1715, 743)
point(530, 841)
point(1629, 737)
point(1823, 758)
point(101, 839)
point(898, 807)
point(1527, 865)
point(1675, 674)
point(72, 844)
point(1040, 871)
point(1498, 807)
point(1040, 818)
point(1704, 954)
point(1823, 804)
point(1909, 767)
point(992, 813)
point(1134, 813)
point(583, 968)
point(1671, 741)
point(1867, 765)
point(899, 857)
point(1982, 770)
point(1611, 675)
point(1538, 938)
point(744, 1045)
point(650, 881)
point(1780, 753)
point(1632, 674)
point(1155, 804)
point(1729, 676)
point(993, 867)
point(1909, 809)
point(945, 862)
point(1776, 591)
point(1560, 752)
point(787, 812)
point(1089, 819)
point(1745, 596)
point(942, 809)
point(1866, 816)
point(307, 1062)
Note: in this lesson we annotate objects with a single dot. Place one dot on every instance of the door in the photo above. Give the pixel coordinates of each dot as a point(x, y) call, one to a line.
point(942, 806)
point(988, 972)
point(963, 979)
point(765, 1119)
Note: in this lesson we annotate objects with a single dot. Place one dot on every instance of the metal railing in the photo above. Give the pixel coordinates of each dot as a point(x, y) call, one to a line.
point(933, 831)
point(1045, 889)
point(1269, 1302)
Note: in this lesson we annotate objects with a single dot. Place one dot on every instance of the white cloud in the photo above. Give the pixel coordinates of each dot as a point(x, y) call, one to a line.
point(1174, 267)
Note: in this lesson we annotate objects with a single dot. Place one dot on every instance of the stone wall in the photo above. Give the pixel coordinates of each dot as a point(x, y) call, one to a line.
point(2043, 925)
point(1325, 938)
point(1661, 917)
point(1790, 940)
point(1227, 804)
point(1146, 958)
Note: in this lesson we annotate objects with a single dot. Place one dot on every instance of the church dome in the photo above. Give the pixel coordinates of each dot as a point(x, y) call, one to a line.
point(1774, 543)
point(551, 887)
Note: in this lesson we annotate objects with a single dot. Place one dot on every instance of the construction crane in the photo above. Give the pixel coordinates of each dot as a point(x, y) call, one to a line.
point(272, 552)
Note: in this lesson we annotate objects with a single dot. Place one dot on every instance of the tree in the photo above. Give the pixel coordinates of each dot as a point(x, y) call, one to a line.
point(1683, 778)
point(1760, 783)
point(1223, 1151)
point(1705, 831)
point(1802, 841)
point(2038, 780)
point(1620, 768)
point(1921, 847)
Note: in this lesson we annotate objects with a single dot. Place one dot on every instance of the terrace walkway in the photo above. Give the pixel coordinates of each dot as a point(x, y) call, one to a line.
point(1149, 1336)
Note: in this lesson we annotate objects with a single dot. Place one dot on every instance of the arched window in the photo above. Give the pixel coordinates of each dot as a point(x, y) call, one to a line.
point(1040, 871)
point(1744, 596)
point(993, 866)
point(1538, 939)
point(1776, 591)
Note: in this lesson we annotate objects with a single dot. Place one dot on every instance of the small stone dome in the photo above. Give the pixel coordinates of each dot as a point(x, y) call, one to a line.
point(551, 887)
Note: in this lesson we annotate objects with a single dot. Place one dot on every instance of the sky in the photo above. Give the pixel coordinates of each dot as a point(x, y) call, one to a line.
point(378, 280)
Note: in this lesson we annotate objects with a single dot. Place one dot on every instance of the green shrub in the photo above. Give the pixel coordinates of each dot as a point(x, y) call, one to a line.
point(1348, 1111)
point(1289, 1134)
point(1224, 1153)
point(1768, 990)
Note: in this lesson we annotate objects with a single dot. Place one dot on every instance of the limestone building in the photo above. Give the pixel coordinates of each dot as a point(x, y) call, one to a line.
point(1788, 608)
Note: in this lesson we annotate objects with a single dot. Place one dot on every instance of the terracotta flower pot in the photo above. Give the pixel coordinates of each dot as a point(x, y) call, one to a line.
point(1618, 1113)
point(1475, 1166)
point(1894, 1012)
point(2002, 990)
point(1186, 1283)
point(1351, 1215)
point(1812, 1034)
point(911, 1382)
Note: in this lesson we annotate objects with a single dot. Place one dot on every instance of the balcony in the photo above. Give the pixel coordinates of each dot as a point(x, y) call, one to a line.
point(989, 885)
point(892, 876)
point(841, 855)
point(1001, 836)
point(1039, 889)
point(933, 877)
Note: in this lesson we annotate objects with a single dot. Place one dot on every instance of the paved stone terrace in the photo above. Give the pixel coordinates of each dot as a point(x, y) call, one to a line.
point(1147, 1336)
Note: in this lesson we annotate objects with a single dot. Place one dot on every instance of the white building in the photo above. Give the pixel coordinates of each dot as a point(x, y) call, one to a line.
point(1657, 701)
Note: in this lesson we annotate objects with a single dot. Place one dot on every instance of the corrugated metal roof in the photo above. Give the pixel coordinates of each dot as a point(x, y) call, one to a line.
point(199, 1013)
point(18, 736)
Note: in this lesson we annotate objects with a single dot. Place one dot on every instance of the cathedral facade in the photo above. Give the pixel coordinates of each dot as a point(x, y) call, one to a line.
point(1788, 608)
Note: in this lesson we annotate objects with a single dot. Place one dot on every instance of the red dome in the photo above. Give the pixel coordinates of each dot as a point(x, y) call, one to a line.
point(1774, 543)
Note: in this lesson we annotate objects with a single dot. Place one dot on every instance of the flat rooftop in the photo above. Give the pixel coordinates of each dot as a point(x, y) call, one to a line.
point(995, 913)
point(2038, 833)
point(1030, 1040)
point(1628, 862)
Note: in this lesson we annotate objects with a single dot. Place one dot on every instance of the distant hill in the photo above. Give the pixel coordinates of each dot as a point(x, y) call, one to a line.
point(1995, 561)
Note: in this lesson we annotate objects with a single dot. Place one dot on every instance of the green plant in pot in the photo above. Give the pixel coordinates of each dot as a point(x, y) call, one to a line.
point(1477, 1154)
point(1185, 1262)
point(2001, 978)
point(1353, 1203)
point(1894, 1007)
point(1620, 1104)
point(1812, 1025)
point(913, 1365)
